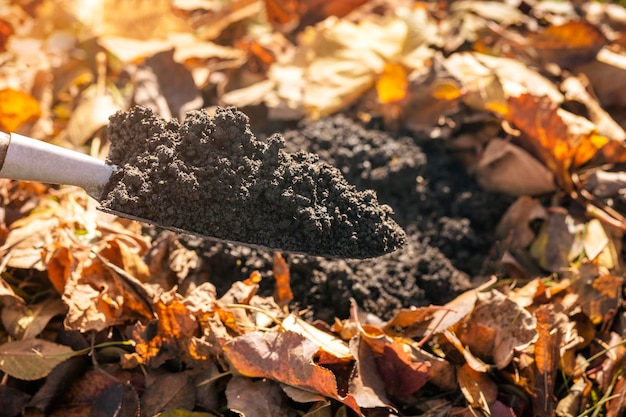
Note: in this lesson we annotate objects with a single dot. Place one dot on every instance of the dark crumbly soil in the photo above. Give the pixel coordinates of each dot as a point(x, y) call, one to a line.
point(449, 221)
point(211, 176)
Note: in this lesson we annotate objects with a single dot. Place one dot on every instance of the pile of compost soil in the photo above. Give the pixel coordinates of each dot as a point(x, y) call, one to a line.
point(211, 176)
point(449, 222)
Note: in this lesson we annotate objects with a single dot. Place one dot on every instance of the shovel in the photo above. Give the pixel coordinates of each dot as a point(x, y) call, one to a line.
point(24, 158)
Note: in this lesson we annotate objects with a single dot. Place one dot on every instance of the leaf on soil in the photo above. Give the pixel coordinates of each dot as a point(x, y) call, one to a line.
point(285, 357)
point(501, 326)
point(280, 269)
point(506, 168)
point(32, 359)
point(257, 398)
point(16, 109)
point(559, 241)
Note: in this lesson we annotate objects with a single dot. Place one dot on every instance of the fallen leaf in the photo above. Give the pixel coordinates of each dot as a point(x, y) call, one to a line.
point(257, 398)
point(280, 269)
point(285, 357)
point(599, 294)
point(392, 84)
point(367, 385)
point(513, 327)
point(325, 341)
point(506, 168)
point(27, 322)
point(569, 44)
point(32, 359)
point(547, 355)
point(477, 388)
point(17, 108)
point(168, 391)
point(514, 226)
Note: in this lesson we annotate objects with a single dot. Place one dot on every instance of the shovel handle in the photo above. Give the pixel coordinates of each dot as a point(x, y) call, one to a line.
point(24, 158)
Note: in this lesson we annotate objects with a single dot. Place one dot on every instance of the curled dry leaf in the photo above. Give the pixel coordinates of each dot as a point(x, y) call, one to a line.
point(280, 269)
point(498, 327)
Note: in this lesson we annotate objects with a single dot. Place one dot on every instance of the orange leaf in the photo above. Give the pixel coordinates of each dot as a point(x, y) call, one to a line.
point(569, 44)
point(547, 356)
point(170, 336)
point(392, 84)
point(285, 357)
point(477, 388)
point(17, 108)
point(283, 294)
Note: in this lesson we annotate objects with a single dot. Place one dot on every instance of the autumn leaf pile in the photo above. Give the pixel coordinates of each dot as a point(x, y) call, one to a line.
point(100, 318)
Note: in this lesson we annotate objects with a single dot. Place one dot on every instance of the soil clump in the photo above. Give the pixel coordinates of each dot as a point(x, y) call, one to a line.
point(449, 221)
point(211, 176)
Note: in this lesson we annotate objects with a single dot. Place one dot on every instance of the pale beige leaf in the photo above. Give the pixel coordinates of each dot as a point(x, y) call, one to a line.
point(32, 358)
point(325, 341)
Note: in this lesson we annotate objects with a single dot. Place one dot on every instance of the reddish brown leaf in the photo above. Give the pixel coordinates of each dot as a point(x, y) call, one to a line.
point(285, 357)
point(402, 376)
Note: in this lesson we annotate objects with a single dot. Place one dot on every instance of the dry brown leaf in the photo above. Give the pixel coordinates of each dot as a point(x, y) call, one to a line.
point(27, 322)
point(606, 75)
point(257, 398)
point(285, 357)
point(562, 140)
point(478, 389)
point(506, 168)
point(504, 328)
point(326, 341)
point(367, 384)
point(167, 392)
point(599, 294)
point(514, 226)
point(559, 241)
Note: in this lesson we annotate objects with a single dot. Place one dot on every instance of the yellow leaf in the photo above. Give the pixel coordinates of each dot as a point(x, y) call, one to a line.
point(392, 84)
point(17, 108)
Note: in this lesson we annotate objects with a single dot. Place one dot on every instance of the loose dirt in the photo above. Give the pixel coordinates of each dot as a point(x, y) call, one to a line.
point(449, 221)
point(211, 176)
